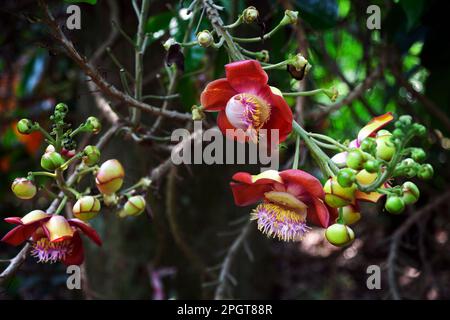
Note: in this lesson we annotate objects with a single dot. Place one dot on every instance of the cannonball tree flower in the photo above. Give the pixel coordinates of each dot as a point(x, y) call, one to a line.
point(245, 101)
point(290, 199)
point(53, 237)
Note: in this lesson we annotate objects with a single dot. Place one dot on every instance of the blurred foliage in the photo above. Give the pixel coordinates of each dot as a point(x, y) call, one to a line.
point(35, 74)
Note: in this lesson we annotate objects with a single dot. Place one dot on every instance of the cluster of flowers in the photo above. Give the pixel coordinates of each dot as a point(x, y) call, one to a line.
point(292, 198)
point(54, 237)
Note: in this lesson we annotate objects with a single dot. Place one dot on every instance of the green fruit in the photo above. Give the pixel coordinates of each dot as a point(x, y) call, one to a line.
point(355, 159)
point(339, 234)
point(394, 204)
point(346, 177)
point(372, 166)
point(385, 148)
point(411, 193)
point(25, 126)
point(23, 188)
point(426, 171)
point(51, 161)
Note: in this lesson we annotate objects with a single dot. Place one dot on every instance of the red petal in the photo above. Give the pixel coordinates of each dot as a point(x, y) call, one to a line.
point(216, 95)
point(310, 183)
point(76, 256)
point(318, 213)
point(249, 189)
point(87, 230)
point(246, 76)
point(14, 220)
point(19, 234)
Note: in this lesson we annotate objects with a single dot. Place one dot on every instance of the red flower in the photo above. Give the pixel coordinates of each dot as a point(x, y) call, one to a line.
point(245, 101)
point(290, 198)
point(54, 238)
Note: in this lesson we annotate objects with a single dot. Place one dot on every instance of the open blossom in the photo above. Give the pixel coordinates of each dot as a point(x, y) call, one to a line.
point(290, 199)
point(245, 101)
point(53, 237)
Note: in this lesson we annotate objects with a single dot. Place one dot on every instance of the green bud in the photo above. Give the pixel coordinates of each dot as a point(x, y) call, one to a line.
point(355, 159)
point(385, 148)
point(51, 161)
point(133, 207)
point(23, 188)
point(398, 133)
point(368, 145)
point(250, 15)
point(339, 234)
point(263, 56)
point(418, 154)
point(25, 126)
point(394, 204)
point(419, 129)
point(426, 171)
point(346, 177)
point(86, 208)
point(197, 113)
point(290, 17)
point(372, 166)
point(61, 108)
point(110, 199)
point(205, 39)
point(411, 193)
point(93, 125)
point(91, 155)
point(405, 119)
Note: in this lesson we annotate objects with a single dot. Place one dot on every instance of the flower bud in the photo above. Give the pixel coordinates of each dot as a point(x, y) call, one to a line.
point(93, 125)
point(411, 193)
point(133, 207)
point(398, 133)
point(426, 171)
point(263, 56)
point(86, 208)
point(25, 126)
point(346, 177)
point(290, 17)
point(169, 42)
point(355, 159)
point(250, 15)
point(419, 129)
point(339, 234)
point(51, 160)
point(109, 178)
point(61, 108)
point(197, 113)
point(350, 215)
point(368, 145)
point(337, 196)
point(364, 177)
point(205, 39)
point(385, 148)
point(50, 148)
point(23, 188)
point(394, 204)
point(91, 155)
point(405, 119)
point(372, 166)
point(418, 154)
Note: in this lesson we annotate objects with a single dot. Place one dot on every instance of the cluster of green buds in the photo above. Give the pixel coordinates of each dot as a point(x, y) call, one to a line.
point(61, 153)
point(368, 171)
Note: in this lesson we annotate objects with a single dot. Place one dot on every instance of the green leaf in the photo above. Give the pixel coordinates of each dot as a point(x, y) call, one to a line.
point(93, 2)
